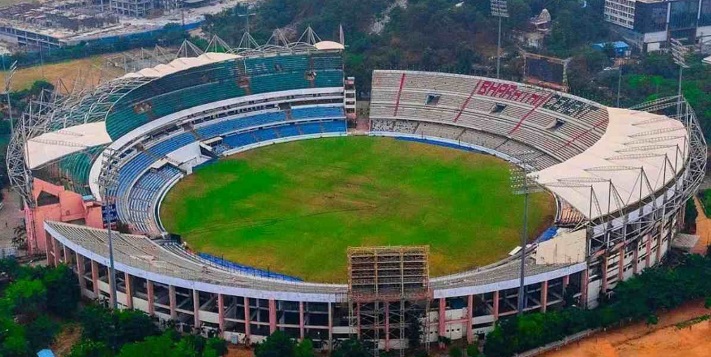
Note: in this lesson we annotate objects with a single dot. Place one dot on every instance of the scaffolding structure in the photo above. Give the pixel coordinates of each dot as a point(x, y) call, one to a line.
point(389, 296)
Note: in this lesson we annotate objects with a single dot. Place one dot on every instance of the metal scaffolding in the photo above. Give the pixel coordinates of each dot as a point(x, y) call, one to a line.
point(389, 296)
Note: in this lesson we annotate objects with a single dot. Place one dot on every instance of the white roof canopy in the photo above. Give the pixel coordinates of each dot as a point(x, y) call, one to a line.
point(51, 146)
point(639, 153)
point(180, 64)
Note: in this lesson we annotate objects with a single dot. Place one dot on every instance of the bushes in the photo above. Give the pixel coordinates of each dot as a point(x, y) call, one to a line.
point(705, 197)
point(637, 299)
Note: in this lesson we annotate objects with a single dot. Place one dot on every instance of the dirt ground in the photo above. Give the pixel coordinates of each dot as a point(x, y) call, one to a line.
point(67, 71)
point(65, 340)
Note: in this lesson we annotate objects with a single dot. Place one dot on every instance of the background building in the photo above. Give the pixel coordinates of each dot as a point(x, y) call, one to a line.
point(649, 24)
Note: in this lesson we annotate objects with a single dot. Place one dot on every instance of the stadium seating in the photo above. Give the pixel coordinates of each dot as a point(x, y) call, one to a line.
point(140, 186)
point(76, 168)
point(210, 130)
point(220, 81)
point(143, 196)
point(562, 126)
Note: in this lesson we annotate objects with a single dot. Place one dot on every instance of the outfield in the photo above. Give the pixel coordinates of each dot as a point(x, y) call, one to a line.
point(295, 207)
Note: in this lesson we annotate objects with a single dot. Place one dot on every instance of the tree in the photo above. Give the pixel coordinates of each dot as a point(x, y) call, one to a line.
point(455, 351)
point(304, 348)
point(350, 348)
point(277, 344)
point(89, 348)
point(40, 333)
point(12, 339)
point(473, 351)
point(26, 298)
point(63, 284)
point(19, 237)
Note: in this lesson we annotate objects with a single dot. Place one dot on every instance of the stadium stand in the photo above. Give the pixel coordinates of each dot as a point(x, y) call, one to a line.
point(218, 81)
point(512, 111)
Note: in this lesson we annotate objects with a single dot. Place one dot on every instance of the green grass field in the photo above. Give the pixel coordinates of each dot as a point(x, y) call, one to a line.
point(295, 207)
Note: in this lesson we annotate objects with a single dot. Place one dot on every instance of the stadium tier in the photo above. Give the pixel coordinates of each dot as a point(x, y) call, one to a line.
point(620, 178)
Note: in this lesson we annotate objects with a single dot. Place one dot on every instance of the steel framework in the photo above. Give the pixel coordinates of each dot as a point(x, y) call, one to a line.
point(389, 295)
point(86, 102)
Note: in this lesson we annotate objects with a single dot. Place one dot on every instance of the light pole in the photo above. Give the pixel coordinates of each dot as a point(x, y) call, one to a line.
point(8, 80)
point(108, 211)
point(499, 8)
point(679, 53)
point(523, 182)
point(619, 83)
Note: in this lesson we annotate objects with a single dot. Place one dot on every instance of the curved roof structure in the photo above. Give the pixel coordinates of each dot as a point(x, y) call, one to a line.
point(181, 64)
point(54, 145)
point(329, 45)
point(638, 154)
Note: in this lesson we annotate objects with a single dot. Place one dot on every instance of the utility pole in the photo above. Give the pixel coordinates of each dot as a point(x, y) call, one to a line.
point(499, 8)
point(523, 182)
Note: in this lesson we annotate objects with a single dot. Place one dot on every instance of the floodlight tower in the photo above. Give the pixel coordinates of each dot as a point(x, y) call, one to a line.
point(108, 182)
point(523, 182)
point(499, 8)
point(8, 81)
point(679, 53)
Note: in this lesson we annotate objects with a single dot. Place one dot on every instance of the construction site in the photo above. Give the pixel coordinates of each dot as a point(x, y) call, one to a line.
point(55, 24)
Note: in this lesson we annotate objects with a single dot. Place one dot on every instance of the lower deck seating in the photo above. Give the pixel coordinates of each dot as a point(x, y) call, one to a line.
point(140, 186)
point(461, 135)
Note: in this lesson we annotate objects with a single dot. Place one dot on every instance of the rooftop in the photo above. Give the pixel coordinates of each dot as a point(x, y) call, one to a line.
point(639, 153)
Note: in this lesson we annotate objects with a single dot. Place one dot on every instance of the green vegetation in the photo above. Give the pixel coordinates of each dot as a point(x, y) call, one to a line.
point(436, 35)
point(637, 299)
point(705, 198)
point(27, 313)
point(690, 215)
point(36, 301)
point(285, 207)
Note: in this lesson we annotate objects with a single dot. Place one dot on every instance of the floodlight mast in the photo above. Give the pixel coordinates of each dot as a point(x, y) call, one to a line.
point(523, 182)
point(499, 8)
point(108, 181)
point(679, 53)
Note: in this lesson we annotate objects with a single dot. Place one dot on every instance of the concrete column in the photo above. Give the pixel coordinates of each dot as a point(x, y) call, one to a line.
point(221, 313)
point(67, 257)
point(196, 308)
point(544, 295)
point(584, 288)
point(621, 265)
point(55, 250)
point(95, 276)
point(247, 329)
point(151, 297)
point(358, 320)
point(272, 316)
point(330, 326)
point(49, 243)
point(172, 298)
point(659, 248)
point(648, 259)
point(635, 264)
point(129, 290)
point(80, 272)
point(302, 330)
point(470, 317)
point(566, 281)
point(442, 316)
point(387, 326)
point(496, 305)
point(112, 280)
point(603, 271)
